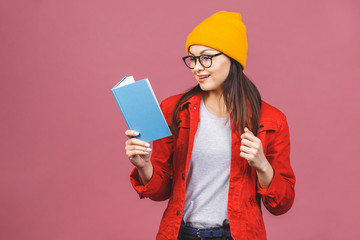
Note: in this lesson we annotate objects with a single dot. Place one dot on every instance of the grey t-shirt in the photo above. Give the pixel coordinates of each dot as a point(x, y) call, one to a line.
point(207, 183)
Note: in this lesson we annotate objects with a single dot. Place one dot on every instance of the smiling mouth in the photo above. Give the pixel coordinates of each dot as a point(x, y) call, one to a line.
point(202, 78)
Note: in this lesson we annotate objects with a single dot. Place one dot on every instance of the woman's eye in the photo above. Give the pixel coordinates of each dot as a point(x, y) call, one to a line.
point(206, 58)
point(191, 59)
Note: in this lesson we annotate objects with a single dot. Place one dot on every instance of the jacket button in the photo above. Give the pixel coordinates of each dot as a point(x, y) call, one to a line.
point(194, 107)
point(261, 126)
point(177, 213)
point(183, 176)
point(179, 122)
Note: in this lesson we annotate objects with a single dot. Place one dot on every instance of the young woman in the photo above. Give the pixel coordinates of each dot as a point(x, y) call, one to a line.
point(229, 149)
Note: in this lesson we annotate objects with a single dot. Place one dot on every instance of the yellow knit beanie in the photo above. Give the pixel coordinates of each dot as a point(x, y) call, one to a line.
point(223, 31)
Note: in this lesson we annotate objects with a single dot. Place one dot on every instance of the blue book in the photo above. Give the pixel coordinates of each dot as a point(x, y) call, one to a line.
point(140, 109)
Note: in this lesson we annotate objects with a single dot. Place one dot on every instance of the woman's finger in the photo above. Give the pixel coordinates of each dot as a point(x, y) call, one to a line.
point(248, 143)
point(133, 153)
point(135, 141)
point(131, 133)
point(245, 155)
point(249, 135)
point(136, 147)
point(247, 150)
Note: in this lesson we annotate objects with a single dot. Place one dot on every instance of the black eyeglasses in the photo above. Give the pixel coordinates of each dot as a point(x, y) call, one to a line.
point(205, 60)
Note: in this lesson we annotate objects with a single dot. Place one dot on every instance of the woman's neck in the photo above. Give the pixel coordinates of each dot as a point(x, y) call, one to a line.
point(215, 104)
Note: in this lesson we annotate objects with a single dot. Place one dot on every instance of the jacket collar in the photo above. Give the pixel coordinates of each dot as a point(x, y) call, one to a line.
point(194, 100)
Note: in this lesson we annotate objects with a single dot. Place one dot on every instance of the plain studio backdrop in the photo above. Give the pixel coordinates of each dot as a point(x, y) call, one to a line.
point(63, 170)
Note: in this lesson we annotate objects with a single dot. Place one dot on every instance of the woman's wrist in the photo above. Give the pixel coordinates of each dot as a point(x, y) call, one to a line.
point(146, 172)
point(265, 175)
point(264, 168)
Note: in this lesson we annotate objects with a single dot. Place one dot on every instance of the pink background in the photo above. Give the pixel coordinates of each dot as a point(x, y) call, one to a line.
point(63, 170)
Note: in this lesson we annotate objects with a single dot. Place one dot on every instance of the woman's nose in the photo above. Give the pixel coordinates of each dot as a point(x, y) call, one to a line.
point(198, 66)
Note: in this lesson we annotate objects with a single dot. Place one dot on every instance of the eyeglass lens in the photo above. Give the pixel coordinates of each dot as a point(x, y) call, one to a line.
point(205, 61)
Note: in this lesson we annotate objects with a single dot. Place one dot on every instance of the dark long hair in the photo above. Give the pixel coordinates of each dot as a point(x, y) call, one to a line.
point(240, 96)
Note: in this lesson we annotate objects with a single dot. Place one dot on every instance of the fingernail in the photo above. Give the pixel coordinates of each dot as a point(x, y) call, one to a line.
point(149, 149)
point(147, 145)
point(146, 153)
point(136, 133)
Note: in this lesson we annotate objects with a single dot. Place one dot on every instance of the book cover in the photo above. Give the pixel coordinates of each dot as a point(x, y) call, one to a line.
point(140, 109)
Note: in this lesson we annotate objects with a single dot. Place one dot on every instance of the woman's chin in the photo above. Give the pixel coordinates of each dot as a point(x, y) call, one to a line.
point(204, 88)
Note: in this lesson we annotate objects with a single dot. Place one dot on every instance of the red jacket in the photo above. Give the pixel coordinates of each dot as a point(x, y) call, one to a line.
point(171, 157)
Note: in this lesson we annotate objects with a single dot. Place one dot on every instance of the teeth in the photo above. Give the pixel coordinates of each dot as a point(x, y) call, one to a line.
point(204, 76)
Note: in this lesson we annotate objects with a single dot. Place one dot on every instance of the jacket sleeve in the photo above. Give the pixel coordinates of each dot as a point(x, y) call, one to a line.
point(159, 186)
point(279, 196)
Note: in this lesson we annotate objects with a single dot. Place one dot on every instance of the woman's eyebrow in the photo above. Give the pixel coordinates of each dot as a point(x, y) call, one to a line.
point(202, 51)
point(206, 50)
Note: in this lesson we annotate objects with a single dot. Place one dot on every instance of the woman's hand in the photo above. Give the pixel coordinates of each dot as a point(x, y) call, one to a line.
point(136, 150)
point(251, 149)
point(138, 153)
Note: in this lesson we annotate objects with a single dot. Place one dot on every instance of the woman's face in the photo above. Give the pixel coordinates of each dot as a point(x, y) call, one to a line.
point(212, 78)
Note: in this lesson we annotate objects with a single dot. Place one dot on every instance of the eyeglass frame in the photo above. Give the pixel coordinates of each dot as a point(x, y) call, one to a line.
point(198, 57)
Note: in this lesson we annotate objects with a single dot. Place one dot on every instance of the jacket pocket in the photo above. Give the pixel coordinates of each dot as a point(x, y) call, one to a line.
point(267, 126)
point(266, 133)
point(183, 126)
point(182, 140)
point(183, 120)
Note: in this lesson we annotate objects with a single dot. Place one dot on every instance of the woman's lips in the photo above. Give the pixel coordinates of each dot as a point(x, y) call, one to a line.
point(203, 78)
